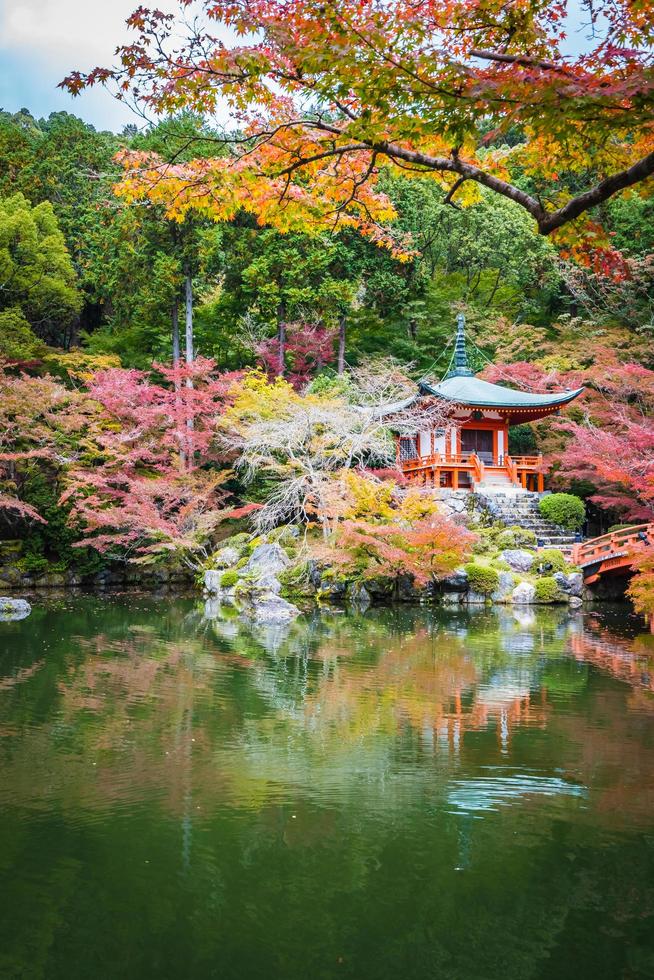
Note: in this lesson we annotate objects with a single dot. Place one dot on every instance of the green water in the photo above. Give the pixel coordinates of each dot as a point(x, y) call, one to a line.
point(397, 794)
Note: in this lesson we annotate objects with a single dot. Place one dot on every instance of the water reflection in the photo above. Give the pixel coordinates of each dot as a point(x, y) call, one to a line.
point(335, 771)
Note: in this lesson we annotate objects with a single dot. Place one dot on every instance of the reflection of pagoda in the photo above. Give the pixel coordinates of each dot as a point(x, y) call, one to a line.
point(472, 449)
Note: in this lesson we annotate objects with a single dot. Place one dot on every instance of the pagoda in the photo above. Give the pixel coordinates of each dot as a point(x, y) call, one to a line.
point(471, 450)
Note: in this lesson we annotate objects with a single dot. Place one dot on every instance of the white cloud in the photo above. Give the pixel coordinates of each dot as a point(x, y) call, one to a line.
point(66, 27)
point(41, 41)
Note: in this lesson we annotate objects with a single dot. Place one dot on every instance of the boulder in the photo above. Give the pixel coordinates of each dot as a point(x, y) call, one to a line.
point(406, 589)
point(11, 576)
point(11, 609)
point(268, 559)
point(381, 589)
point(212, 579)
point(456, 582)
point(270, 609)
point(358, 595)
point(575, 602)
point(452, 598)
point(314, 572)
point(523, 594)
point(505, 587)
point(269, 582)
point(571, 585)
point(474, 599)
point(518, 559)
point(226, 557)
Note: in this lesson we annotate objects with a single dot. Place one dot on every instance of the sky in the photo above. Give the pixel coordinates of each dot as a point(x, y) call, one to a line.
point(41, 41)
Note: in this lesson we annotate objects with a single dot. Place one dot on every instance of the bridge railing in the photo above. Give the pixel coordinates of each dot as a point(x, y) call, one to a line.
point(616, 542)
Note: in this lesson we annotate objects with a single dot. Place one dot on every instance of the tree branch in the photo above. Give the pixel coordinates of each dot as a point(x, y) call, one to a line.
point(639, 171)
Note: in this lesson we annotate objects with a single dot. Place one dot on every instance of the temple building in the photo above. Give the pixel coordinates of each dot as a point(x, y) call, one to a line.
point(471, 449)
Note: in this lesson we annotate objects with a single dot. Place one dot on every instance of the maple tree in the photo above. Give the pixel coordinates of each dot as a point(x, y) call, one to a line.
point(150, 489)
point(386, 533)
point(40, 420)
point(323, 96)
point(607, 438)
point(641, 587)
point(308, 347)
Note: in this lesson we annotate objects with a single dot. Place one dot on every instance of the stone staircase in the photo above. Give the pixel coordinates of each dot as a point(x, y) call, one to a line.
point(520, 508)
point(495, 480)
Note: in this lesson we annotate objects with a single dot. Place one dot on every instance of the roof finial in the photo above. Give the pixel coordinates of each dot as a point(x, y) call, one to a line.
point(460, 367)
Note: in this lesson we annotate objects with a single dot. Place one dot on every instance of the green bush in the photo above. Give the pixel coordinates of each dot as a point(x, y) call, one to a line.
point(516, 537)
point(296, 579)
point(551, 560)
point(229, 579)
point(563, 509)
point(481, 578)
point(54, 541)
point(547, 590)
point(33, 564)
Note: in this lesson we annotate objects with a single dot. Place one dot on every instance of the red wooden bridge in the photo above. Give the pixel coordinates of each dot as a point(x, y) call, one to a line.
point(611, 554)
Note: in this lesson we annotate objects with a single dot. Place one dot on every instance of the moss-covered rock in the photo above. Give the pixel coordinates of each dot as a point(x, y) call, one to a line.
point(550, 560)
point(516, 537)
point(547, 590)
point(482, 578)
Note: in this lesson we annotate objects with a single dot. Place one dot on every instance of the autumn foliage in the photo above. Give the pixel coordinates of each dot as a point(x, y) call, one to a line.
point(386, 533)
point(606, 439)
point(323, 97)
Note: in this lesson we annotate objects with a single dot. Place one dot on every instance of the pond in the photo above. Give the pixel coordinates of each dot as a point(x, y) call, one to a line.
point(402, 793)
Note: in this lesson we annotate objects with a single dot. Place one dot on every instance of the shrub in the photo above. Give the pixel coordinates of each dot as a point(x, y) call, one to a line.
point(53, 543)
point(229, 579)
point(563, 509)
point(516, 537)
point(481, 578)
point(547, 590)
point(486, 542)
point(551, 560)
point(296, 579)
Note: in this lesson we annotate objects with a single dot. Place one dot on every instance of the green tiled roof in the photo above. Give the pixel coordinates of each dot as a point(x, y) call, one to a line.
point(468, 390)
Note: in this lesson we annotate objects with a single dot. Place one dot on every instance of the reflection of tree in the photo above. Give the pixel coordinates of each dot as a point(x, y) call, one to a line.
point(215, 711)
point(284, 804)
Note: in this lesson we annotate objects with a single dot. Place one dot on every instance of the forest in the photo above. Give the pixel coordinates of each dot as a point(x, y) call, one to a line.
point(191, 317)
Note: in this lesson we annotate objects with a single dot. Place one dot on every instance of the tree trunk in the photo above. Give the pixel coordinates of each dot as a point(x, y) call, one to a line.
point(413, 328)
point(175, 317)
point(188, 292)
point(281, 336)
point(341, 343)
point(176, 356)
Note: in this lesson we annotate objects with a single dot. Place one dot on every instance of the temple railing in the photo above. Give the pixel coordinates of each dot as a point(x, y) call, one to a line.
point(427, 470)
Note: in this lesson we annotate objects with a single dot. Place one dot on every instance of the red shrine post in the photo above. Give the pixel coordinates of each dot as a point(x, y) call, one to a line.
point(472, 450)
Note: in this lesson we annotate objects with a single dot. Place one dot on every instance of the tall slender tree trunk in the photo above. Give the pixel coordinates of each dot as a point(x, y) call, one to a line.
point(188, 294)
point(188, 317)
point(341, 343)
point(281, 337)
point(175, 318)
point(176, 357)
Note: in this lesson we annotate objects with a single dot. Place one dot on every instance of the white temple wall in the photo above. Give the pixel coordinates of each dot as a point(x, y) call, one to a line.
point(424, 446)
point(501, 448)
